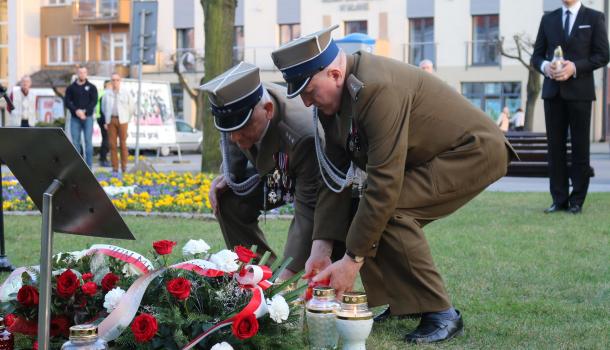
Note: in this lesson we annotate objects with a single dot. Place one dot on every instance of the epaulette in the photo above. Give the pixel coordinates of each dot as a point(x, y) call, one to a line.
point(354, 86)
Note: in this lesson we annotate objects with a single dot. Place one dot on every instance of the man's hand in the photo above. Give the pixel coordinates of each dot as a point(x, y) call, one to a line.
point(81, 114)
point(568, 69)
point(342, 275)
point(219, 185)
point(549, 69)
point(319, 259)
point(106, 126)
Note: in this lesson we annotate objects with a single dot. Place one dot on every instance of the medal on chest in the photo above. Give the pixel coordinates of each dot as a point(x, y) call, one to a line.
point(354, 143)
point(279, 184)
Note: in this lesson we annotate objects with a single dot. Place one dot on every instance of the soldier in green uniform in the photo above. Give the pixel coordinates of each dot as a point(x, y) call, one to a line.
point(412, 150)
point(267, 142)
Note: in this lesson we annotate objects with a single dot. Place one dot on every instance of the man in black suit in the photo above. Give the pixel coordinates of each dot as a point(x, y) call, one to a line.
point(568, 92)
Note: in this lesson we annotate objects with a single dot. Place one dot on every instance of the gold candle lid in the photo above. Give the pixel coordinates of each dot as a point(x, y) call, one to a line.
point(558, 52)
point(324, 292)
point(83, 332)
point(354, 298)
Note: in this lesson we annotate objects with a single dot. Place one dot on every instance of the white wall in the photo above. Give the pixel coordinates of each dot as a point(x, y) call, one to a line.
point(24, 38)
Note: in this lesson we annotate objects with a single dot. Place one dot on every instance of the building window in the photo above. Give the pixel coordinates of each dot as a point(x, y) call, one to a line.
point(59, 2)
point(421, 40)
point(289, 32)
point(3, 41)
point(238, 44)
point(356, 27)
point(178, 100)
point(185, 38)
point(485, 34)
point(98, 8)
point(62, 50)
point(113, 47)
point(492, 97)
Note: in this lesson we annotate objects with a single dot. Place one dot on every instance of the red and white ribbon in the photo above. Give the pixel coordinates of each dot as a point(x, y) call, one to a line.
point(138, 261)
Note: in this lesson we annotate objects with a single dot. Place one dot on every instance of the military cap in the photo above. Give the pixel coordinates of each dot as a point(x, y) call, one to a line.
point(233, 96)
point(300, 59)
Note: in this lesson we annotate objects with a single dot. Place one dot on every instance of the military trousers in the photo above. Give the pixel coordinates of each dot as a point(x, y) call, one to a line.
point(238, 217)
point(403, 273)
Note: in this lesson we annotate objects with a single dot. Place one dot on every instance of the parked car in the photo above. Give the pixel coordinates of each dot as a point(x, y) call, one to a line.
point(189, 138)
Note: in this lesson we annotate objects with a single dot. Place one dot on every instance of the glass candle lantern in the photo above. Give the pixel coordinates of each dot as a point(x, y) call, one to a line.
point(320, 315)
point(84, 337)
point(354, 321)
point(7, 342)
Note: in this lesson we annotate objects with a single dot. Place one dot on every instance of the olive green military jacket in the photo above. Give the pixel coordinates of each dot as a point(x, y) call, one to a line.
point(290, 132)
point(405, 118)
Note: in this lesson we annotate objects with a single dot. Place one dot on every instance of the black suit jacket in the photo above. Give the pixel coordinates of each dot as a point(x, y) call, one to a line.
point(587, 47)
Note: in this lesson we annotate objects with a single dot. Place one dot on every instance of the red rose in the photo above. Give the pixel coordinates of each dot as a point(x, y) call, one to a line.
point(9, 319)
point(67, 283)
point(164, 247)
point(245, 327)
point(144, 327)
point(60, 325)
point(35, 347)
point(87, 276)
point(179, 287)
point(244, 254)
point(27, 296)
point(109, 281)
point(23, 326)
point(89, 288)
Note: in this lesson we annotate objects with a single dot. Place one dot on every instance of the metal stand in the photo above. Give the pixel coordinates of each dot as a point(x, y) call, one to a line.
point(140, 62)
point(5, 264)
point(46, 253)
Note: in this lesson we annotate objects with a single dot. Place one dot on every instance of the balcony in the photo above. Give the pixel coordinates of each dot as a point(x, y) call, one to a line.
point(101, 11)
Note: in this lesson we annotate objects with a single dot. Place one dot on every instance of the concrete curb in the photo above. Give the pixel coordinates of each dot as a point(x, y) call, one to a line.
point(198, 216)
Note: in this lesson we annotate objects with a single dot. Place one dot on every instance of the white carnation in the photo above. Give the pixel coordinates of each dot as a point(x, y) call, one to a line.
point(225, 260)
point(112, 299)
point(278, 308)
point(193, 247)
point(222, 346)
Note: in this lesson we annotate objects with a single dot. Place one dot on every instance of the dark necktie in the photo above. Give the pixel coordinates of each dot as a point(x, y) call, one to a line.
point(566, 25)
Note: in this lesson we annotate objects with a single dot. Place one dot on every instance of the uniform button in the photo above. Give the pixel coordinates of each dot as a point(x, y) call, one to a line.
point(374, 245)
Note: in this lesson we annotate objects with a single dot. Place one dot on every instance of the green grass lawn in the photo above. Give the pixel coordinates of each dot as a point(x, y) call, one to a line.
point(522, 279)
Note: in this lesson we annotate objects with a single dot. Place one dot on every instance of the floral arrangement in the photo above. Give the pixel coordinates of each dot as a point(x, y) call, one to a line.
point(201, 301)
point(81, 282)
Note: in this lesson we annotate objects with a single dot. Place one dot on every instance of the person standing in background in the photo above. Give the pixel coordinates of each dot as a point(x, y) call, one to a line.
point(25, 104)
point(426, 65)
point(80, 99)
point(568, 92)
point(118, 107)
point(518, 120)
point(101, 122)
point(503, 120)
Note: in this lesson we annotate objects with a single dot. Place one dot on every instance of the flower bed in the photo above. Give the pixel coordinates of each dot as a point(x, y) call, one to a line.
point(145, 192)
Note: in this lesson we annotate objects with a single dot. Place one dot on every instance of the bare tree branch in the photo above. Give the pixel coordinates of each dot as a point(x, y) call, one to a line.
point(183, 82)
point(53, 86)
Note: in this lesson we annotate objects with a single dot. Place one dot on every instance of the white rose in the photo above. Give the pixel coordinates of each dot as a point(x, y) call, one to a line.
point(193, 247)
point(112, 299)
point(130, 270)
point(222, 346)
point(278, 308)
point(11, 287)
point(225, 260)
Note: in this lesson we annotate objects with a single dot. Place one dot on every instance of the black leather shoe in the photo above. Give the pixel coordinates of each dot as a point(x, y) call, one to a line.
point(387, 314)
point(434, 329)
point(575, 209)
point(554, 208)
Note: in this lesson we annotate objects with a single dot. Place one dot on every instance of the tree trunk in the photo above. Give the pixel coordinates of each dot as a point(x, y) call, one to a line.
point(219, 19)
point(533, 91)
